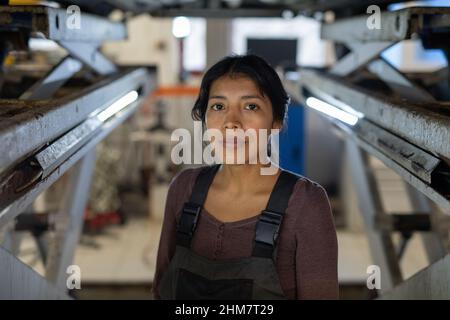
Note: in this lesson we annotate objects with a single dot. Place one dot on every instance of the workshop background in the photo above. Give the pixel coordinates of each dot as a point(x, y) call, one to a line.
point(91, 92)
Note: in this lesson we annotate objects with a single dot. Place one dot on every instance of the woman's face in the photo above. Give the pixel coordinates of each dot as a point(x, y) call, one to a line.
point(237, 103)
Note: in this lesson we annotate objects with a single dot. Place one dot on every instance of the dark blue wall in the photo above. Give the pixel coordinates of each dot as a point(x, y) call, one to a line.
point(292, 141)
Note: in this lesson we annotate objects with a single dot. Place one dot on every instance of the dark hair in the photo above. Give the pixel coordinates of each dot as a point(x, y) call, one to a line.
point(252, 66)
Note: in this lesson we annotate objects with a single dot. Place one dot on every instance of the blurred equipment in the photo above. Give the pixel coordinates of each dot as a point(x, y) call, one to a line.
point(168, 108)
point(161, 171)
point(104, 201)
point(54, 116)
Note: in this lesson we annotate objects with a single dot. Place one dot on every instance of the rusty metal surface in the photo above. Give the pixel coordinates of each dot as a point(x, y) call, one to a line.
point(18, 201)
point(413, 180)
point(427, 125)
point(423, 170)
point(56, 153)
point(26, 126)
point(51, 22)
point(414, 159)
point(397, 25)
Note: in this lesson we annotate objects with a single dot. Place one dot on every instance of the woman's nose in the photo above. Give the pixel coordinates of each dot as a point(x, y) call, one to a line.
point(232, 122)
point(232, 125)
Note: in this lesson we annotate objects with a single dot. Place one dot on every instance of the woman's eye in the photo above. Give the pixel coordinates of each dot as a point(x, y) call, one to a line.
point(251, 106)
point(217, 107)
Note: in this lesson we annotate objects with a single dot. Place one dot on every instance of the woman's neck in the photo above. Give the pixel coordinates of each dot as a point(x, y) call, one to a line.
point(245, 178)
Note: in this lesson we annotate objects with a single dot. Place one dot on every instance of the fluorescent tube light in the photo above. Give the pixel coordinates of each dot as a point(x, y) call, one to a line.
point(332, 111)
point(117, 106)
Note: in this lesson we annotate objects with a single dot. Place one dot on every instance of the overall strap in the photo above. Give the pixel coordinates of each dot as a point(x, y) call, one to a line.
point(191, 209)
point(270, 219)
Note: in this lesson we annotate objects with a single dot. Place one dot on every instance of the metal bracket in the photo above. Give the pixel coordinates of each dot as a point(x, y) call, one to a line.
point(380, 242)
point(397, 81)
point(81, 42)
point(361, 54)
point(88, 54)
point(69, 221)
point(46, 87)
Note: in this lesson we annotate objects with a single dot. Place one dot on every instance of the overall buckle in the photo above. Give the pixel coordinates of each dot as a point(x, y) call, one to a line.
point(268, 227)
point(189, 218)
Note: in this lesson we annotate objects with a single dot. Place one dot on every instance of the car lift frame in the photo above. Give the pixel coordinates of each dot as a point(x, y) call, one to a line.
point(43, 137)
point(410, 135)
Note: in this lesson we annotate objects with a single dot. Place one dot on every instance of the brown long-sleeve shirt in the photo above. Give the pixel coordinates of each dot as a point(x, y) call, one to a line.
point(307, 245)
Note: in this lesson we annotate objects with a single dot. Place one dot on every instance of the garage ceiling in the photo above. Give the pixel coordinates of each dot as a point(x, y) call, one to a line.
point(236, 7)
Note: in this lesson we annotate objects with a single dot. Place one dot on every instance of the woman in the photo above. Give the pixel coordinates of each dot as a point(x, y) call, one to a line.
point(230, 232)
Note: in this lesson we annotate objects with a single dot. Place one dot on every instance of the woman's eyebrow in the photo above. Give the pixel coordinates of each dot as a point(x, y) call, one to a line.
point(251, 97)
point(217, 97)
point(242, 97)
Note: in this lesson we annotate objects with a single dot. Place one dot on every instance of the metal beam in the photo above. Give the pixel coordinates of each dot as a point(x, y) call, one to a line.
point(69, 221)
point(390, 161)
point(53, 24)
point(431, 283)
point(395, 25)
point(419, 162)
point(427, 125)
point(380, 242)
point(361, 54)
point(414, 181)
point(26, 197)
point(398, 82)
point(58, 151)
point(52, 156)
point(87, 53)
point(422, 286)
point(46, 87)
point(433, 242)
point(26, 126)
point(18, 281)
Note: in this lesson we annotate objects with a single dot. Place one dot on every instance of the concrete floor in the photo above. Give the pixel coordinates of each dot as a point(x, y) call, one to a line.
point(125, 256)
point(121, 254)
point(128, 255)
point(122, 258)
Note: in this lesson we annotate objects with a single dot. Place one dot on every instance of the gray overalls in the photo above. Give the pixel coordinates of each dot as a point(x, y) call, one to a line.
point(191, 276)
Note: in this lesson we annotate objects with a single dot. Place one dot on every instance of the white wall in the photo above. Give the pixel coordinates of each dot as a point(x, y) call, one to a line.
point(195, 46)
point(311, 51)
point(150, 41)
point(410, 56)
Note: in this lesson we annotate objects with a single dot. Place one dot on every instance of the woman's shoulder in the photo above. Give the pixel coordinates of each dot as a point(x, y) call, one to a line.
point(308, 198)
point(184, 175)
point(306, 185)
point(184, 179)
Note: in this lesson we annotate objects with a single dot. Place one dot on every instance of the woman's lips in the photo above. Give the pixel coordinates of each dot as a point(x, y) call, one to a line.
point(232, 142)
